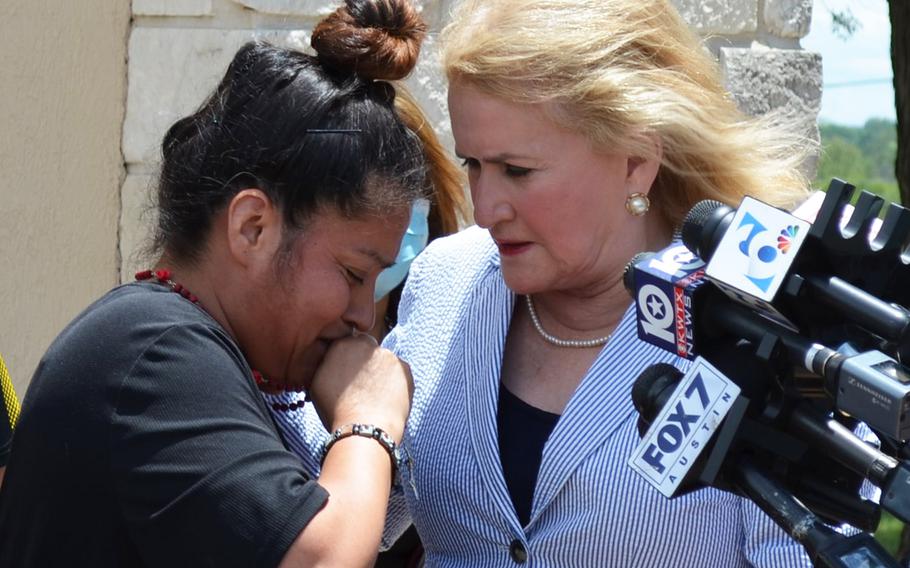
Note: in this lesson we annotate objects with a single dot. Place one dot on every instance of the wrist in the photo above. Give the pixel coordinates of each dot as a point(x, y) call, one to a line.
point(368, 431)
point(393, 427)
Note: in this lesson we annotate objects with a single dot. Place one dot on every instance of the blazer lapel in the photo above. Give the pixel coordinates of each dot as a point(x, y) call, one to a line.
point(487, 318)
point(600, 404)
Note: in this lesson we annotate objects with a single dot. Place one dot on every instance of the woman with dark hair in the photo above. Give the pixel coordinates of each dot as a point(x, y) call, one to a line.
point(143, 439)
point(435, 217)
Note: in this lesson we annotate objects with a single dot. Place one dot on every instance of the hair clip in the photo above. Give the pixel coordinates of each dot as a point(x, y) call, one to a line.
point(333, 130)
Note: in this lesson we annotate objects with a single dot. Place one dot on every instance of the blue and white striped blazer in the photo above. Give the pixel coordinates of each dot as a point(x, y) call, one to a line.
point(589, 509)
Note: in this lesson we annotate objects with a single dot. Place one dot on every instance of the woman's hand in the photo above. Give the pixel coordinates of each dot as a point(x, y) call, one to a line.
point(360, 382)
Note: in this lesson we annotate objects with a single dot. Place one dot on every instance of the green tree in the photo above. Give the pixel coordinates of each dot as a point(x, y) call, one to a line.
point(863, 156)
point(878, 141)
point(843, 159)
point(845, 24)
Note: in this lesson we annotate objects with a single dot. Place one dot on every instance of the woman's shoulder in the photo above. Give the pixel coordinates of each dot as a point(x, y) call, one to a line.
point(472, 245)
point(455, 259)
point(132, 317)
point(141, 307)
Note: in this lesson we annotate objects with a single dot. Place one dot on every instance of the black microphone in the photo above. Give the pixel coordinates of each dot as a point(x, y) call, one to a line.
point(811, 456)
point(704, 226)
point(665, 286)
point(773, 261)
point(651, 390)
point(687, 422)
point(837, 441)
point(680, 312)
point(870, 386)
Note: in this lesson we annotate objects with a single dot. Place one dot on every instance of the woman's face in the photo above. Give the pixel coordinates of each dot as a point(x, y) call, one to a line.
point(322, 293)
point(553, 204)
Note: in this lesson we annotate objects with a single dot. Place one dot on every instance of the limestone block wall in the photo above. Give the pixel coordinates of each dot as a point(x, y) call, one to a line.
point(179, 48)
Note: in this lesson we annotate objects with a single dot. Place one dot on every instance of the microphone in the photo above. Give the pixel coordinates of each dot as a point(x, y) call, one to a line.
point(680, 312)
point(651, 390)
point(664, 286)
point(836, 440)
point(826, 547)
point(749, 250)
point(689, 409)
point(663, 390)
point(704, 226)
point(870, 385)
point(786, 268)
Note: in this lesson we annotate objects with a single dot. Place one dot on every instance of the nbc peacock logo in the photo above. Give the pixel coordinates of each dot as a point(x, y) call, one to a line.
point(786, 238)
point(756, 251)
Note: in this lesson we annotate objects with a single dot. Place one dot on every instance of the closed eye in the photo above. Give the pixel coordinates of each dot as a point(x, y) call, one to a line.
point(515, 171)
point(469, 163)
point(353, 277)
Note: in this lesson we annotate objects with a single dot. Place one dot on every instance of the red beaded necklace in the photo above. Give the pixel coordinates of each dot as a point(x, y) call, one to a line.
point(163, 276)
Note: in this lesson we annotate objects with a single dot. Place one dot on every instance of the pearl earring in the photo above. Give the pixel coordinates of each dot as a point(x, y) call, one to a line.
point(638, 204)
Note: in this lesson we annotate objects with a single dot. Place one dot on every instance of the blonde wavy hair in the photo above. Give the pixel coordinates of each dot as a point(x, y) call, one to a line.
point(623, 72)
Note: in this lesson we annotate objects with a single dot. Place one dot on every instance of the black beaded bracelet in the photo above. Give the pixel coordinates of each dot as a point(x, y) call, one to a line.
point(365, 431)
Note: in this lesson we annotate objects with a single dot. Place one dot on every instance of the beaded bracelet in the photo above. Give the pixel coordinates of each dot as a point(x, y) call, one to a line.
point(366, 431)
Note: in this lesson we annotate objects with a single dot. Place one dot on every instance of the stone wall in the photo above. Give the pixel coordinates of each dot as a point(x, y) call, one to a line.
point(78, 167)
point(179, 48)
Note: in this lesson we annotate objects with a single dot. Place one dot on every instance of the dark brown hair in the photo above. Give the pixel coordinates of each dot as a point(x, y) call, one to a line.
point(309, 131)
point(377, 40)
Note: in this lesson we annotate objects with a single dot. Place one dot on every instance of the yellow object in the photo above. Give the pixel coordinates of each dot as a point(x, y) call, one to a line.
point(10, 400)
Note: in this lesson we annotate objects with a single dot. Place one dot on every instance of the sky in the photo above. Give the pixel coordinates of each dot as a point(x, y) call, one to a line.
point(857, 71)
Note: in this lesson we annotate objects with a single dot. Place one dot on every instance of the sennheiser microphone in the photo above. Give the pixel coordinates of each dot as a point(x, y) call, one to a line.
point(871, 385)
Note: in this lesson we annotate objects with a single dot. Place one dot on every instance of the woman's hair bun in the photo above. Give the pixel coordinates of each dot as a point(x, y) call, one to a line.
point(376, 39)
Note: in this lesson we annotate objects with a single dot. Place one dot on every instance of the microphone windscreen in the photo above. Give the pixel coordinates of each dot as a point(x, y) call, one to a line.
point(693, 224)
point(650, 384)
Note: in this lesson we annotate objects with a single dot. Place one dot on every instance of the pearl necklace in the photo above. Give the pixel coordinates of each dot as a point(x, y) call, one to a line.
point(577, 343)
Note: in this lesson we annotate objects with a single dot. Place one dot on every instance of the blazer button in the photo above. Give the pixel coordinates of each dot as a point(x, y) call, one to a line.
point(517, 552)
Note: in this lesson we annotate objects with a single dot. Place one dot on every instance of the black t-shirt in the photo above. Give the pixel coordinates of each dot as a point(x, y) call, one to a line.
point(143, 441)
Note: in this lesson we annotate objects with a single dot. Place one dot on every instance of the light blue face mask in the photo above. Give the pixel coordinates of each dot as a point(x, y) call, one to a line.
point(414, 241)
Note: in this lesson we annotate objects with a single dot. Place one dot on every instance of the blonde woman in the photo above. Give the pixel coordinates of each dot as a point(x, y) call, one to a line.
point(587, 128)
